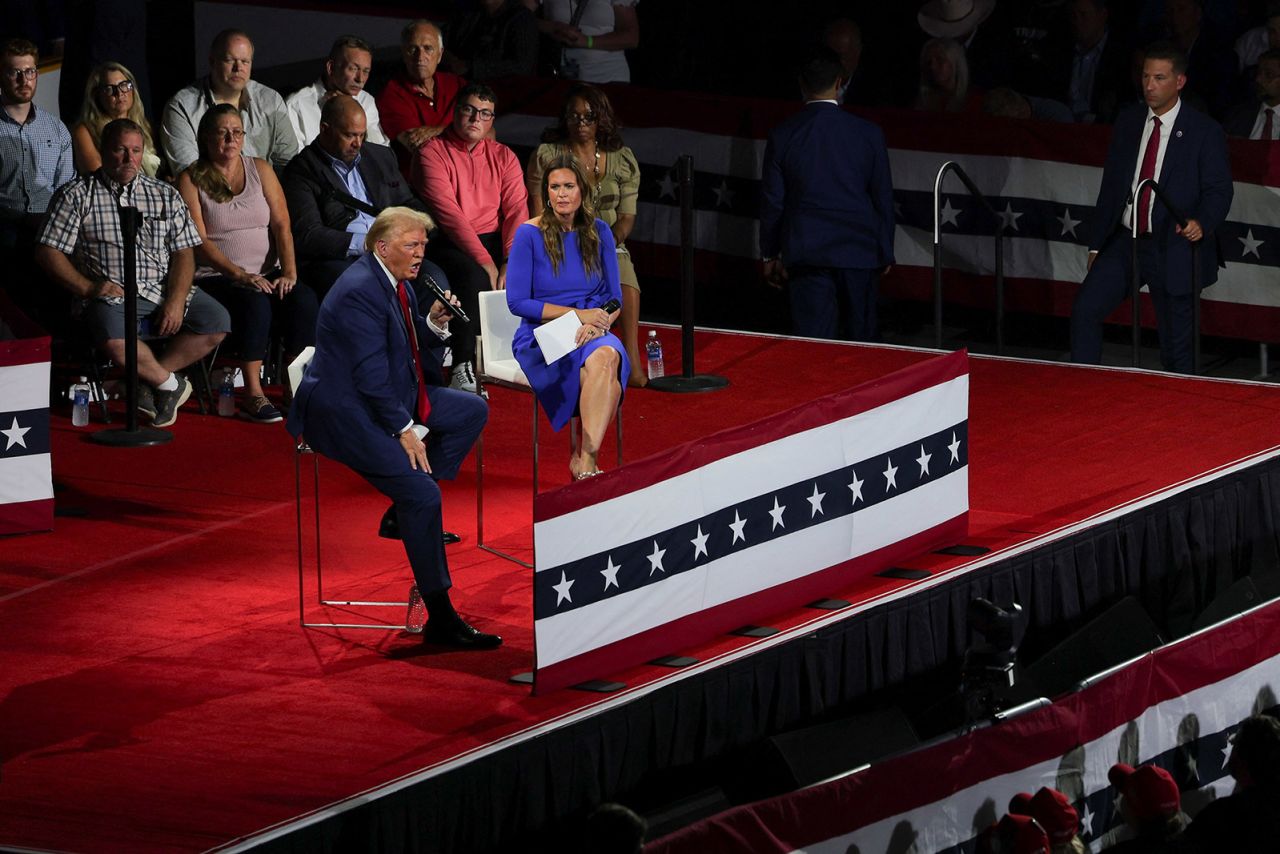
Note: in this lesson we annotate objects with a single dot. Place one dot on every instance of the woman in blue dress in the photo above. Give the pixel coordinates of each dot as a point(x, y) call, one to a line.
point(562, 261)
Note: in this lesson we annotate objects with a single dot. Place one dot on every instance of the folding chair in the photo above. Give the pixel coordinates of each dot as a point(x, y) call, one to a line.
point(296, 370)
point(496, 364)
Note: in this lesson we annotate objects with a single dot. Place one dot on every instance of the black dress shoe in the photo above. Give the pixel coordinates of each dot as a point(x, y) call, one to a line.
point(459, 635)
point(389, 527)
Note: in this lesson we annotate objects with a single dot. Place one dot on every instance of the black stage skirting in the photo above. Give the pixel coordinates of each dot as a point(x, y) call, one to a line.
point(1175, 555)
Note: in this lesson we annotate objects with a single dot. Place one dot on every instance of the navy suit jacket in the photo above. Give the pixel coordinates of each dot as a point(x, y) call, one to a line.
point(1240, 121)
point(319, 221)
point(827, 196)
point(361, 386)
point(1195, 175)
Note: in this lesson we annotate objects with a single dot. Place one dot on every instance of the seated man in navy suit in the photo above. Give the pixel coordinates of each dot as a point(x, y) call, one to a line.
point(1186, 153)
point(371, 389)
point(826, 218)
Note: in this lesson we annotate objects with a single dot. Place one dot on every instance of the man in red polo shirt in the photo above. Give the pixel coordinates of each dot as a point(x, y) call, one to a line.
point(475, 189)
point(417, 105)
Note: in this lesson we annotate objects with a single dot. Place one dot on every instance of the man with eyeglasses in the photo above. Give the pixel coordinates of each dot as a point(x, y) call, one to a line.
point(268, 133)
point(35, 160)
point(475, 188)
point(417, 105)
point(346, 72)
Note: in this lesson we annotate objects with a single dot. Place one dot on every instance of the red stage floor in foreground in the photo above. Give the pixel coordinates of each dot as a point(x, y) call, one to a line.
point(158, 693)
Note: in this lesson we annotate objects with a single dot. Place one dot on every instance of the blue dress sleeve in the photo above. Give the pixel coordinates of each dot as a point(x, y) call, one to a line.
point(609, 262)
point(525, 249)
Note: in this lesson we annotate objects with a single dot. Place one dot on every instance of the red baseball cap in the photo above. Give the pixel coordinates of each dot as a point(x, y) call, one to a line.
point(1149, 791)
point(1052, 810)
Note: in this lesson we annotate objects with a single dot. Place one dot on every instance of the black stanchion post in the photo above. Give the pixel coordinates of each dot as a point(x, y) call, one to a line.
point(131, 435)
point(1195, 306)
point(688, 380)
point(1136, 310)
point(1000, 290)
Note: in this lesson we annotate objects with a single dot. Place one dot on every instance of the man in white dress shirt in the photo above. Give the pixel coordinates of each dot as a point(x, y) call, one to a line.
point(346, 71)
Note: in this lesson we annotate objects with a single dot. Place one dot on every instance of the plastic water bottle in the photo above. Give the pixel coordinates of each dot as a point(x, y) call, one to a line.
point(653, 350)
point(80, 403)
point(227, 394)
point(416, 617)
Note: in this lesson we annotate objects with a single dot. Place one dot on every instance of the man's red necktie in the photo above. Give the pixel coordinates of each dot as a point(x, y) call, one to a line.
point(424, 405)
point(1268, 115)
point(1148, 171)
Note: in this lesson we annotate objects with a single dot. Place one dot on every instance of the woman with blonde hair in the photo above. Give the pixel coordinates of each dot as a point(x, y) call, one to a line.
point(944, 79)
point(111, 92)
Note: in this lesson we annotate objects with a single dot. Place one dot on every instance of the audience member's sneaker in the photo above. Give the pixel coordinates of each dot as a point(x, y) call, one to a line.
point(260, 410)
point(146, 402)
point(463, 378)
point(167, 402)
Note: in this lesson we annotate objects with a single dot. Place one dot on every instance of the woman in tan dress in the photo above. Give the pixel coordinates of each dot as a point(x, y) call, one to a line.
point(588, 132)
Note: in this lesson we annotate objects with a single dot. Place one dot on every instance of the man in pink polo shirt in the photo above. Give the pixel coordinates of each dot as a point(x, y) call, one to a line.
point(475, 188)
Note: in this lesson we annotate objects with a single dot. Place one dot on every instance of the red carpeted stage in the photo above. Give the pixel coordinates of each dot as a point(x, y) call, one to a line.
point(160, 695)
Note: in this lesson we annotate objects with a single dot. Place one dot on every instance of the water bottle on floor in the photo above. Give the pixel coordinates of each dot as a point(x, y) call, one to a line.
point(416, 617)
point(653, 352)
point(227, 394)
point(80, 403)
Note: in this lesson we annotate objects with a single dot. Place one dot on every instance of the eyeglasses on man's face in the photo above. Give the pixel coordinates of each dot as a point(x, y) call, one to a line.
point(16, 74)
point(474, 113)
point(124, 87)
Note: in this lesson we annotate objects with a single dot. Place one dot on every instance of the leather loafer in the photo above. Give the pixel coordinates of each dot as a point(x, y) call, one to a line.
point(389, 528)
point(459, 635)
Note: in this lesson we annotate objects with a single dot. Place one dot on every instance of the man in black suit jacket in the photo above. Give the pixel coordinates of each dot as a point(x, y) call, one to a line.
point(1098, 83)
point(1187, 153)
point(1249, 120)
point(335, 187)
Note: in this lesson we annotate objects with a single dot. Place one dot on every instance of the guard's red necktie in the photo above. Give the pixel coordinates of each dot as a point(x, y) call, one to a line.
point(1148, 171)
point(424, 405)
point(1267, 115)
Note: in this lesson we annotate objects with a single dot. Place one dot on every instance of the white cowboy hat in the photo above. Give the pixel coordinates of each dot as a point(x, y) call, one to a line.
point(949, 19)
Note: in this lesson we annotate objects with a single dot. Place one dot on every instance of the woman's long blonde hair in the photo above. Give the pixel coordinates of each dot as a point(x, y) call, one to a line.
point(584, 219)
point(91, 115)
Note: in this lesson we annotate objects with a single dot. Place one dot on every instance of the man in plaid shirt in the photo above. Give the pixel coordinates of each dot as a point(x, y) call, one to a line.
point(81, 246)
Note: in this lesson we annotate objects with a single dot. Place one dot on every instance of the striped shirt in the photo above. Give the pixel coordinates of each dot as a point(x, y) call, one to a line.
point(84, 223)
point(35, 160)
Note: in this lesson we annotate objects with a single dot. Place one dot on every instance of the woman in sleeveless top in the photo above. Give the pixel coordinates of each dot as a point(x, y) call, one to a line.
point(246, 261)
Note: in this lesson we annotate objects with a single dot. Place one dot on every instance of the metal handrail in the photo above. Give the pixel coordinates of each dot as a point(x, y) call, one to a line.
point(953, 166)
point(1136, 283)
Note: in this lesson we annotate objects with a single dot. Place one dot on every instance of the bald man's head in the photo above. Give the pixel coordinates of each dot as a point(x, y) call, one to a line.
point(342, 128)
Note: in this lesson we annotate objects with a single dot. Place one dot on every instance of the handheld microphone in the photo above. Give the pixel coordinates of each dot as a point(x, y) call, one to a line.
point(611, 306)
point(438, 293)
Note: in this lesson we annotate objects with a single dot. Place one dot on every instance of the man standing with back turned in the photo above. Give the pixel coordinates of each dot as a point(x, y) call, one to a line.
point(1186, 153)
point(826, 220)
